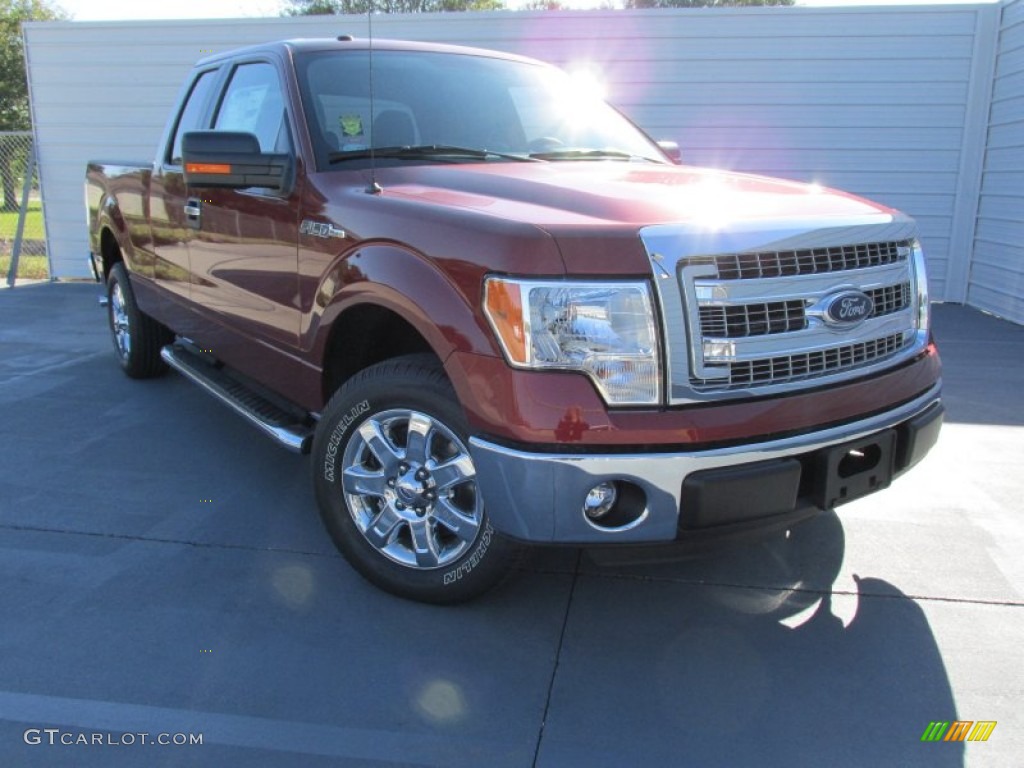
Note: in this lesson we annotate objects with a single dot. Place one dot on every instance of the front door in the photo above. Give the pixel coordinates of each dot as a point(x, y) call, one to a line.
point(244, 249)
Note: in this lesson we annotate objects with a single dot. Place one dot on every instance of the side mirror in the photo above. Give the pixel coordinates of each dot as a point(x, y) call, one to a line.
point(672, 151)
point(231, 159)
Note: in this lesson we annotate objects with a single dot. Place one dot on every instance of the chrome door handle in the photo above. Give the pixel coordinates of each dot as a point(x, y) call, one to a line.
point(193, 212)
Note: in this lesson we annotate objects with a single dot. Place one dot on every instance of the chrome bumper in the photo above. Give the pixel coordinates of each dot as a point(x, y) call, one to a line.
point(539, 497)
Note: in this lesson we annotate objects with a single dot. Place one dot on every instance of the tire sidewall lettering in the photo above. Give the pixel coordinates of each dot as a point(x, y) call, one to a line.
point(472, 559)
point(337, 435)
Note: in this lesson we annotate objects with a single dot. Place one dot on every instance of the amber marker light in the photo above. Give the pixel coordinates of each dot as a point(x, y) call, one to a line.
point(207, 168)
point(504, 304)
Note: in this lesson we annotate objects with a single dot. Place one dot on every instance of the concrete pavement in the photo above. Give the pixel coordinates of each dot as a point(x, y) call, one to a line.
point(165, 572)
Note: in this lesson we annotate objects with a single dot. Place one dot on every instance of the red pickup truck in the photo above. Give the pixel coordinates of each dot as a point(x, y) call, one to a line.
point(497, 312)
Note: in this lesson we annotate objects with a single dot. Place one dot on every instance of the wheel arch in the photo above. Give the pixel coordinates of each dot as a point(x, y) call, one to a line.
point(366, 334)
point(384, 301)
point(113, 240)
point(111, 252)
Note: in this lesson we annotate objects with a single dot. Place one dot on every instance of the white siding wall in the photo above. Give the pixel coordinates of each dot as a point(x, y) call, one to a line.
point(881, 102)
point(997, 269)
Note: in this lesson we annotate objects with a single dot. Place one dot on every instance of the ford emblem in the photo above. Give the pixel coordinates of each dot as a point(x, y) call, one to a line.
point(848, 308)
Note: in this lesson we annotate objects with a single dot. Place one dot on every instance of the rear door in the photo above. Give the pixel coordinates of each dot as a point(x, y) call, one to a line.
point(244, 248)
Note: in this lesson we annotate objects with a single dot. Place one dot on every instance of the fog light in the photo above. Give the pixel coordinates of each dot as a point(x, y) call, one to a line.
point(600, 500)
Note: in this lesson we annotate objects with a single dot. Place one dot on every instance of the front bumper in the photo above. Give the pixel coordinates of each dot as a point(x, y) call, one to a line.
point(539, 497)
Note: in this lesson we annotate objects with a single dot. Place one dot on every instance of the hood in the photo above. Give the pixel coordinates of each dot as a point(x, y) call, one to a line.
point(595, 210)
point(570, 194)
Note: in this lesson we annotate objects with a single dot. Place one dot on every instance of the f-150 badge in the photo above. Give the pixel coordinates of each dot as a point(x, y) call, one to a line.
point(320, 229)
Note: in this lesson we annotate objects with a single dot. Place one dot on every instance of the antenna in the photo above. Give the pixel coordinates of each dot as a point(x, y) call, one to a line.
point(373, 188)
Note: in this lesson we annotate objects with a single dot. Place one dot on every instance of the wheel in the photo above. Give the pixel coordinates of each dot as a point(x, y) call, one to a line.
point(137, 336)
point(396, 485)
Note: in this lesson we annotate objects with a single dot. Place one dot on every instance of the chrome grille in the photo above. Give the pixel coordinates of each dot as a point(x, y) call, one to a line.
point(733, 322)
point(787, 368)
point(747, 311)
point(890, 299)
point(807, 261)
point(760, 319)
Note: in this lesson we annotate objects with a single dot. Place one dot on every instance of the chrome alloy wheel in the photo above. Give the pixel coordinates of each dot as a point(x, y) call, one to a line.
point(119, 322)
point(410, 485)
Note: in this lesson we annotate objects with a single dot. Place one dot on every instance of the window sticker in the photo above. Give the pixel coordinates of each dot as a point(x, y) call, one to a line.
point(351, 126)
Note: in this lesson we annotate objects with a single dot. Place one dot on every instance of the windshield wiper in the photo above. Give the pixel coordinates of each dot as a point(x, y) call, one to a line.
point(426, 151)
point(588, 154)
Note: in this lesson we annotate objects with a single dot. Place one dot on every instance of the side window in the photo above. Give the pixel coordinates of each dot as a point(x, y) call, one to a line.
point(192, 113)
point(253, 102)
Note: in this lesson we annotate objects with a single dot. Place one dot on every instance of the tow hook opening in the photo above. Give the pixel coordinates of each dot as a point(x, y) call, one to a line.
point(615, 505)
point(859, 460)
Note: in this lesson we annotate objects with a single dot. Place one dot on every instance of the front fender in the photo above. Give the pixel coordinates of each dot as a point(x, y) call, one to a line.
point(440, 299)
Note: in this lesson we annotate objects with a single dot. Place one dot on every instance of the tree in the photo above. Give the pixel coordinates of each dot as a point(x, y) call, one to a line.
point(318, 7)
point(545, 5)
point(14, 111)
point(701, 3)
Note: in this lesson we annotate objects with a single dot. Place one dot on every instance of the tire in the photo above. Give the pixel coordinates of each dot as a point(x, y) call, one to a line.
point(395, 485)
point(137, 337)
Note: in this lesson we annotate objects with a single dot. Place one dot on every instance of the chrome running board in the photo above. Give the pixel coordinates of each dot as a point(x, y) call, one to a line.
point(270, 418)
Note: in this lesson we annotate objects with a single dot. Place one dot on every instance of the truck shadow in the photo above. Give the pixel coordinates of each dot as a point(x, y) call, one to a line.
point(749, 656)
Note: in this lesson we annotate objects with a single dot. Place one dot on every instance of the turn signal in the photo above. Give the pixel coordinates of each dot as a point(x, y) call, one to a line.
point(218, 168)
point(504, 303)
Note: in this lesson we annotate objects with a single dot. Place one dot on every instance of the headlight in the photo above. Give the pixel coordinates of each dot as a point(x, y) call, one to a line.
point(921, 303)
point(604, 329)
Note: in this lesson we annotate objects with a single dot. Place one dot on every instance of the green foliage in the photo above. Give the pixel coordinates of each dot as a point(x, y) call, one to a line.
point(318, 7)
point(327, 7)
point(33, 224)
point(310, 8)
point(29, 267)
point(702, 3)
point(14, 114)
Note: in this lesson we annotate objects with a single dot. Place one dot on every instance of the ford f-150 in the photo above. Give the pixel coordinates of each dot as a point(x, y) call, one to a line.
point(497, 313)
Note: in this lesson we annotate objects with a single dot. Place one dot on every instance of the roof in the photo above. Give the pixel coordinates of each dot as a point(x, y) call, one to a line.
point(350, 43)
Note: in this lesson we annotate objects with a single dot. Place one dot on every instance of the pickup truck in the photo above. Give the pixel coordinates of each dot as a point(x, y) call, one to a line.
point(499, 314)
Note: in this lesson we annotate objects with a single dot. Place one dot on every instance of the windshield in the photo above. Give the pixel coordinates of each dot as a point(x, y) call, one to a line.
point(495, 110)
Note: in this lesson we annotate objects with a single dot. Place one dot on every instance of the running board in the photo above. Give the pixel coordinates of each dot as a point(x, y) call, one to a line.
point(273, 420)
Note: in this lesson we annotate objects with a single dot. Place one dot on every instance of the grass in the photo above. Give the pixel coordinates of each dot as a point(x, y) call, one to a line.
point(29, 267)
point(33, 223)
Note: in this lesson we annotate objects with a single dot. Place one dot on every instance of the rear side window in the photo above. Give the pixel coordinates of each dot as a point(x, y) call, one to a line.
point(254, 103)
point(192, 113)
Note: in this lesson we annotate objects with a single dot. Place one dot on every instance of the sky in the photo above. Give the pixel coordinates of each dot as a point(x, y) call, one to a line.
point(107, 10)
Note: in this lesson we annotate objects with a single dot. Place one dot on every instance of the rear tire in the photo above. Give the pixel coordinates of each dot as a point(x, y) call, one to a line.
point(396, 486)
point(137, 337)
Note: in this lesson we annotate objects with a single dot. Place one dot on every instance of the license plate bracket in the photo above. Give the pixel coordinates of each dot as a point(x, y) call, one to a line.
point(851, 470)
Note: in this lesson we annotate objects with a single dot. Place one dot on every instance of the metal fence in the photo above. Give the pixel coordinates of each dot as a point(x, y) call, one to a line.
point(22, 235)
